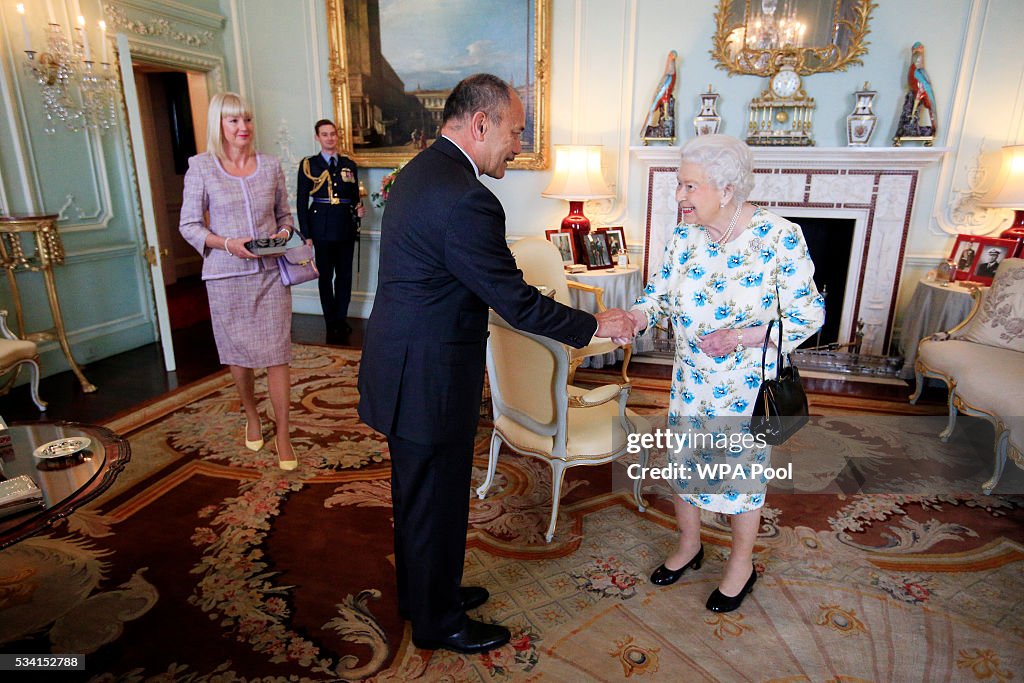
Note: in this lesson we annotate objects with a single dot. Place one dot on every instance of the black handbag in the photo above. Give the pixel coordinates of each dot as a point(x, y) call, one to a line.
point(781, 406)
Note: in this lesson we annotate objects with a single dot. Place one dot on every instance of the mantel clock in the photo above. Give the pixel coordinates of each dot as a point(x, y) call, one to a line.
point(782, 114)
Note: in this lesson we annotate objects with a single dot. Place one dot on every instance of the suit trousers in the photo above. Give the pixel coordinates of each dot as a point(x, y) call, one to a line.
point(334, 262)
point(430, 496)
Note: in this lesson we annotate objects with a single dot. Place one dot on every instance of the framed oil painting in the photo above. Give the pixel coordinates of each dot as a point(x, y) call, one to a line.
point(394, 62)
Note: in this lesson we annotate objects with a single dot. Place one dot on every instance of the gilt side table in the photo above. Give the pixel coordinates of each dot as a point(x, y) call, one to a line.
point(49, 252)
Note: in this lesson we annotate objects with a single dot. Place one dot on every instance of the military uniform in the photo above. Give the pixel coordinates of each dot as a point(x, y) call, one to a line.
point(326, 209)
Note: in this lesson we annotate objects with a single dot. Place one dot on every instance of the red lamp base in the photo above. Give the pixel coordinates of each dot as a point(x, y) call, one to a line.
point(1014, 232)
point(577, 224)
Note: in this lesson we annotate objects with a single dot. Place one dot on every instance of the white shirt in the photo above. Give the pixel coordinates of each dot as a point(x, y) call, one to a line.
point(475, 169)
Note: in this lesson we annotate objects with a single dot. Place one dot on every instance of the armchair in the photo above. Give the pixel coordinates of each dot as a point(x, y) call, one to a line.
point(541, 264)
point(538, 413)
point(14, 352)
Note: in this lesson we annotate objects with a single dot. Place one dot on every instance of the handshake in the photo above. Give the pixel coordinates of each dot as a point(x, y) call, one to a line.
point(619, 325)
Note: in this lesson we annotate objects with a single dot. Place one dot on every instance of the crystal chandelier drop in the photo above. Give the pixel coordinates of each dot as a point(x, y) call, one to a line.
point(770, 29)
point(76, 90)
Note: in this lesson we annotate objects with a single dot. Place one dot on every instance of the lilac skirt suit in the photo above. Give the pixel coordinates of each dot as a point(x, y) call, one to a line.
point(251, 310)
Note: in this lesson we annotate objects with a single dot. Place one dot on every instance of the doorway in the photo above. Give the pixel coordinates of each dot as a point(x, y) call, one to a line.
point(173, 106)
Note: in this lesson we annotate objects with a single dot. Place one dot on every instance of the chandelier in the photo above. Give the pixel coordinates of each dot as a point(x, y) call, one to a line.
point(770, 29)
point(76, 90)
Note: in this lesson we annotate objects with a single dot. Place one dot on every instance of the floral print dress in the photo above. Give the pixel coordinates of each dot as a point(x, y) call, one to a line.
point(701, 288)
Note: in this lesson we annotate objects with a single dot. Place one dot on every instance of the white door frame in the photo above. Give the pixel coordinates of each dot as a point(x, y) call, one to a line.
point(131, 104)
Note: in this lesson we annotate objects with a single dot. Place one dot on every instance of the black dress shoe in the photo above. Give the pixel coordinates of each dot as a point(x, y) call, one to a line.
point(470, 597)
point(719, 602)
point(474, 638)
point(663, 576)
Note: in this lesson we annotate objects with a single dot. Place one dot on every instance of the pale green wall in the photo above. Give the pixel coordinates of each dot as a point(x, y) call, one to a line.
point(605, 60)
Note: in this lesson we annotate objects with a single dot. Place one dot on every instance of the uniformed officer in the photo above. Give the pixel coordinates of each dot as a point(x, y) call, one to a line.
point(328, 210)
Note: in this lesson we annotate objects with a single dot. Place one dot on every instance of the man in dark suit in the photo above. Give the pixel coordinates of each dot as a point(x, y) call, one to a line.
point(328, 207)
point(443, 262)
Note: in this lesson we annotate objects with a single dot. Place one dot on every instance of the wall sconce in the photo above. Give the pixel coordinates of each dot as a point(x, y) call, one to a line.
point(76, 90)
point(577, 179)
point(1008, 193)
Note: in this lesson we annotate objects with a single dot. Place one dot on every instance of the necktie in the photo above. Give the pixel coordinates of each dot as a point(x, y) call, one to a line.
point(334, 164)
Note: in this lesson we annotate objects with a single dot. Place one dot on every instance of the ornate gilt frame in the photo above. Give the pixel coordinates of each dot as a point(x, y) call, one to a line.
point(809, 60)
point(337, 75)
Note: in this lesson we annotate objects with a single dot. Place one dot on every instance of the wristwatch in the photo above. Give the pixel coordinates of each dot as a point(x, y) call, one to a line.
point(739, 341)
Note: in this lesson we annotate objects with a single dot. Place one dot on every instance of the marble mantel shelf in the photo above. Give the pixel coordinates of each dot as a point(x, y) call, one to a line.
point(889, 158)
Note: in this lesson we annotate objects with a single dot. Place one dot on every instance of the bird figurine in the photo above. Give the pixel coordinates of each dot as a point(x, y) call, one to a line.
point(921, 85)
point(660, 121)
point(919, 99)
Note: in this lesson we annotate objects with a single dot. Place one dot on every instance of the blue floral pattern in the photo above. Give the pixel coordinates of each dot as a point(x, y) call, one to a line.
point(702, 289)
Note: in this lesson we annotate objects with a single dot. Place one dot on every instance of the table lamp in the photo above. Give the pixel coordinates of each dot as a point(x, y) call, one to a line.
point(577, 179)
point(1008, 193)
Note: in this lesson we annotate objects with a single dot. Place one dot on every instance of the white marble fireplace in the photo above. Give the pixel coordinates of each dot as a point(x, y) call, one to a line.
point(873, 186)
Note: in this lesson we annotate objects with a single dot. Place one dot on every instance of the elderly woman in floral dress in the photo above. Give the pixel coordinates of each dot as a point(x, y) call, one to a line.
point(728, 268)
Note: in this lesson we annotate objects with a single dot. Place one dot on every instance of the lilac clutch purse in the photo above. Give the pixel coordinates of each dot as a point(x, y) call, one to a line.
point(297, 265)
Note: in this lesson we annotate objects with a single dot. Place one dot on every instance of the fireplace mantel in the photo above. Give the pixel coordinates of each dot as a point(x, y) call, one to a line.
point(874, 186)
point(890, 158)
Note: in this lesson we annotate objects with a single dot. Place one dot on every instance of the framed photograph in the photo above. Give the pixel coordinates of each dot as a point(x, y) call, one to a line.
point(565, 244)
point(596, 253)
point(965, 250)
point(991, 252)
point(616, 239)
point(393, 63)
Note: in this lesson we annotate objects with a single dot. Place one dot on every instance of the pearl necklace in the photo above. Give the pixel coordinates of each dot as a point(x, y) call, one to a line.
point(715, 244)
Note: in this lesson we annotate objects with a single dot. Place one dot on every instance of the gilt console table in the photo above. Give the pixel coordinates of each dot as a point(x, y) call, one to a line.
point(49, 252)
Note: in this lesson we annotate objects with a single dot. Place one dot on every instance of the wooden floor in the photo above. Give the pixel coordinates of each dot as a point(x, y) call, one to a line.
point(134, 377)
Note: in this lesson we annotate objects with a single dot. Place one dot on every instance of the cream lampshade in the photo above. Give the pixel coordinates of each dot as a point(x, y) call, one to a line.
point(577, 179)
point(1008, 192)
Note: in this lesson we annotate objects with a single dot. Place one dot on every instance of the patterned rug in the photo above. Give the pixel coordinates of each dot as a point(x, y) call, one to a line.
point(208, 563)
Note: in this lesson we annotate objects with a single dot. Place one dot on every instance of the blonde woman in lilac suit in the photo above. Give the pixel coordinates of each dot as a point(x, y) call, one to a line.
point(234, 194)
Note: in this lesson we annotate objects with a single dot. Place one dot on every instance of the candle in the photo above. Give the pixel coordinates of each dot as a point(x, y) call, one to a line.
point(24, 27)
point(49, 12)
point(84, 36)
point(103, 39)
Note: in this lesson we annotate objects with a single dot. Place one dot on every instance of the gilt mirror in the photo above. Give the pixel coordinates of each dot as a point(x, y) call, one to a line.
point(823, 35)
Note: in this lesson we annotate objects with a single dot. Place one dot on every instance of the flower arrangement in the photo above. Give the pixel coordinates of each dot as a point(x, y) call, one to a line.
point(381, 198)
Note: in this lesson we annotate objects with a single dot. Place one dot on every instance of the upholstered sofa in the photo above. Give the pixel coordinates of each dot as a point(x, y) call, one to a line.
point(982, 363)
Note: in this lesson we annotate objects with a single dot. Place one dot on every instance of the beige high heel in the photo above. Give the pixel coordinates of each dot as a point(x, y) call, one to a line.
point(253, 445)
point(286, 465)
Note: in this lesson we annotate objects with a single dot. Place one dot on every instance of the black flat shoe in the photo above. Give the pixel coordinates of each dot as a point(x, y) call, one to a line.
point(663, 576)
point(719, 602)
point(470, 597)
point(474, 638)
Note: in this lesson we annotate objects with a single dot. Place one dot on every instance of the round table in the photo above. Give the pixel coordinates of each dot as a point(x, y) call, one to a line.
point(621, 287)
point(935, 307)
point(67, 483)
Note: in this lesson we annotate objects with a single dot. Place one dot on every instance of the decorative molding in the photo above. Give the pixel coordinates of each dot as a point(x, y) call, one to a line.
point(157, 26)
point(289, 162)
point(961, 184)
point(170, 9)
point(210, 63)
point(966, 214)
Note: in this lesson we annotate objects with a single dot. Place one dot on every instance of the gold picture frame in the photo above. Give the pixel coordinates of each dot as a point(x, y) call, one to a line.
point(345, 17)
point(849, 22)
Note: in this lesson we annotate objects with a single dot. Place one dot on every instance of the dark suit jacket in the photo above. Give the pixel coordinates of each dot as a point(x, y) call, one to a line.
point(323, 222)
point(443, 262)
